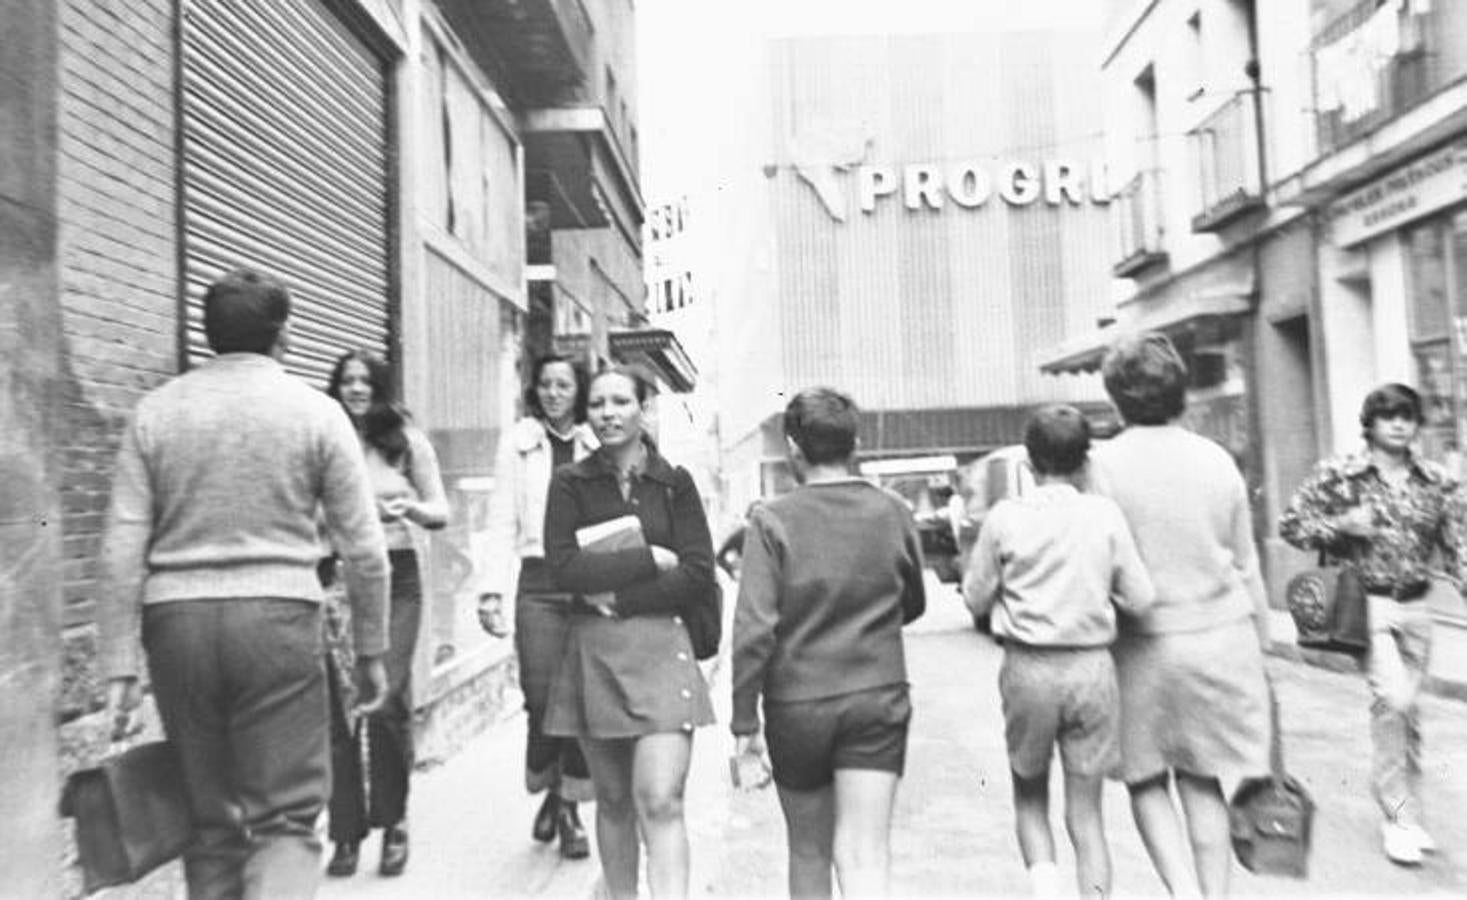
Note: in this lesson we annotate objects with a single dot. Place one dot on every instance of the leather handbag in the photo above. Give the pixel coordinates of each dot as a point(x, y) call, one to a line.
point(1329, 609)
point(132, 815)
point(1272, 817)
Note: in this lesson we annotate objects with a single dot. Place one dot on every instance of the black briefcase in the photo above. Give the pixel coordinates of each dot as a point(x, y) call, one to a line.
point(132, 815)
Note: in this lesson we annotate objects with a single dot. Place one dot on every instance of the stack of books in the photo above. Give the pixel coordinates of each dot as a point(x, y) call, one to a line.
point(611, 536)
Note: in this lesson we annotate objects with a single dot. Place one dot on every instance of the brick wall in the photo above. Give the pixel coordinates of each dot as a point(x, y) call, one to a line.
point(118, 261)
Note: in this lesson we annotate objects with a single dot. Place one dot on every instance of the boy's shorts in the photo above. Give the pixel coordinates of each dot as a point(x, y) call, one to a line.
point(809, 739)
point(1065, 696)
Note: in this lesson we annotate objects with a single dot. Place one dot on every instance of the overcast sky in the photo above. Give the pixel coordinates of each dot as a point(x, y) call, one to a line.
point(694, 56)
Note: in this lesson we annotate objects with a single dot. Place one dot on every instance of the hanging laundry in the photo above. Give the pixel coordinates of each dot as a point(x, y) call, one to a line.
point(1331, 67)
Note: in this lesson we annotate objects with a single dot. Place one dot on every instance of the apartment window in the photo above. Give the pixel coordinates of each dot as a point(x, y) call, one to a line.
point(1144, 118)
point(1195, 76)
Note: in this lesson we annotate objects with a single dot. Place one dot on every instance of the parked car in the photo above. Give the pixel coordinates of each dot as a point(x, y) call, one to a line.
point(980, 485)
point(926, 484)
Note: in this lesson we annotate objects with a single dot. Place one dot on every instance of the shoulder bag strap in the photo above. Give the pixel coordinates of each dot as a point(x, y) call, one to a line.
point(1275, 729)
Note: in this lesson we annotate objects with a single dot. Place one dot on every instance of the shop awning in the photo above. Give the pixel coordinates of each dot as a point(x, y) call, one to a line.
point(1190, 302)
point(659, 350)
point(1084, 354)
point(962, 431)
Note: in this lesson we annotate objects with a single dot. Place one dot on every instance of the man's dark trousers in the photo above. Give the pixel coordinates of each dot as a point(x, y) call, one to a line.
point(241, 688)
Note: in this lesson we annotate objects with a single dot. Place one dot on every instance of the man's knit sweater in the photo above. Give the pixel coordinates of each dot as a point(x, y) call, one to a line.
point(219, 479)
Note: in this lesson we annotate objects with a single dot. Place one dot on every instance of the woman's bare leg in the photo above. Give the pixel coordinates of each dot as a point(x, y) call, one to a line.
point(1161, 832)
point(659, 774)
point(610, 762)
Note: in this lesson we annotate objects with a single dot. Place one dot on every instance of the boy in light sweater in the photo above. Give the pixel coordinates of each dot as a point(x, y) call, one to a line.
point(210, 557)
point(1051, 567)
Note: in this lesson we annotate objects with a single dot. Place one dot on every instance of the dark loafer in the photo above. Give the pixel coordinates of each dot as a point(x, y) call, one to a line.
point(394, 850)
point(544, 827)
point(344, 859)
point(573, 842)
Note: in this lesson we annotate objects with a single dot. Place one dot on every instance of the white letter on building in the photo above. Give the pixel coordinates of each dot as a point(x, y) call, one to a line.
point(1062, 180)
point(1019, 183)
point(873, 182)
point(922, 184)
point(1099, 181)
point(969, 185)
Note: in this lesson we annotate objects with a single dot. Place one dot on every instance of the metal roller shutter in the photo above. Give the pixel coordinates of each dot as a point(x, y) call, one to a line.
point(285, 170)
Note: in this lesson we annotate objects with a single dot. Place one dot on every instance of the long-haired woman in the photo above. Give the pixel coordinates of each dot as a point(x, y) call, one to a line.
point(552, 434)
point(403, 470)
point(629, 688)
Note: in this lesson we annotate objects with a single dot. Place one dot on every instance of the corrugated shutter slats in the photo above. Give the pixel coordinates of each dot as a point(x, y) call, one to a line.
point(285, 169)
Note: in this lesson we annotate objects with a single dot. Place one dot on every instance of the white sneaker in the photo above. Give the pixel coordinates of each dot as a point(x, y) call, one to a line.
point(1045, 882)
point(1400, 843)
point(1421, 837)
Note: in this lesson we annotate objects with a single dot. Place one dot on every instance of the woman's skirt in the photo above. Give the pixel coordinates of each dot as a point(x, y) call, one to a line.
point(623, 678)
point(1196, 701)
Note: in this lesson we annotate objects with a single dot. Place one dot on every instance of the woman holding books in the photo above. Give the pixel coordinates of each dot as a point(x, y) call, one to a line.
point(552, 435)
point(626, 532)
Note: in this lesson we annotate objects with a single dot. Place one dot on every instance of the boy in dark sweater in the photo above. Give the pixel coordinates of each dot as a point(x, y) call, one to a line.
point(831, 572)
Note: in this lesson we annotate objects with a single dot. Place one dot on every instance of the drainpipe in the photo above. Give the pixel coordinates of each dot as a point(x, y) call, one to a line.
point(1258, 493)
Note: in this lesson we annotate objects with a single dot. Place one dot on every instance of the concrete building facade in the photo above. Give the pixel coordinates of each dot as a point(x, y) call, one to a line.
point(380, 156)
point(1290, 219)
point(1386, 186)
point(936, 214)
point(1197, 100)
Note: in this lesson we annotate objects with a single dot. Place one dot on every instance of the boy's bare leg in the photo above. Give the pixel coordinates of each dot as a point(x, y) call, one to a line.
point(1086, 826)
point(809, 818)
point(1036, 839)
point(862, 844)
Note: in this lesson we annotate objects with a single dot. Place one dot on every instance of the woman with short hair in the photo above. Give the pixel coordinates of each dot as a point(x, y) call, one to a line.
point(1194, 694)
point(1384, 510)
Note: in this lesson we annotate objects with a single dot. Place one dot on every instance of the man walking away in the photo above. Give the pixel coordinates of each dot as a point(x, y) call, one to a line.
point(212, 543)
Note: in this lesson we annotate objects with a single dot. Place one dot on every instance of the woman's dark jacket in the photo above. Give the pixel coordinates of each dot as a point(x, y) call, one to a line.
point(666, 501)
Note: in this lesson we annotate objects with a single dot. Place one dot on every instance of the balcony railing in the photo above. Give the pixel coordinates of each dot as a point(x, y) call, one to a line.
point(1137, 211)
point(1376, 62)
point(1225, 150)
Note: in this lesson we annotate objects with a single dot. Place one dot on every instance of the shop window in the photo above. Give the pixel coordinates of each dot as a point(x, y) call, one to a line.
point(1441, 375)
point(1428, 309)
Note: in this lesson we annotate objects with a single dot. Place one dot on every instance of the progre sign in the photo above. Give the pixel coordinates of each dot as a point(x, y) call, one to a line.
point(970, 185)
